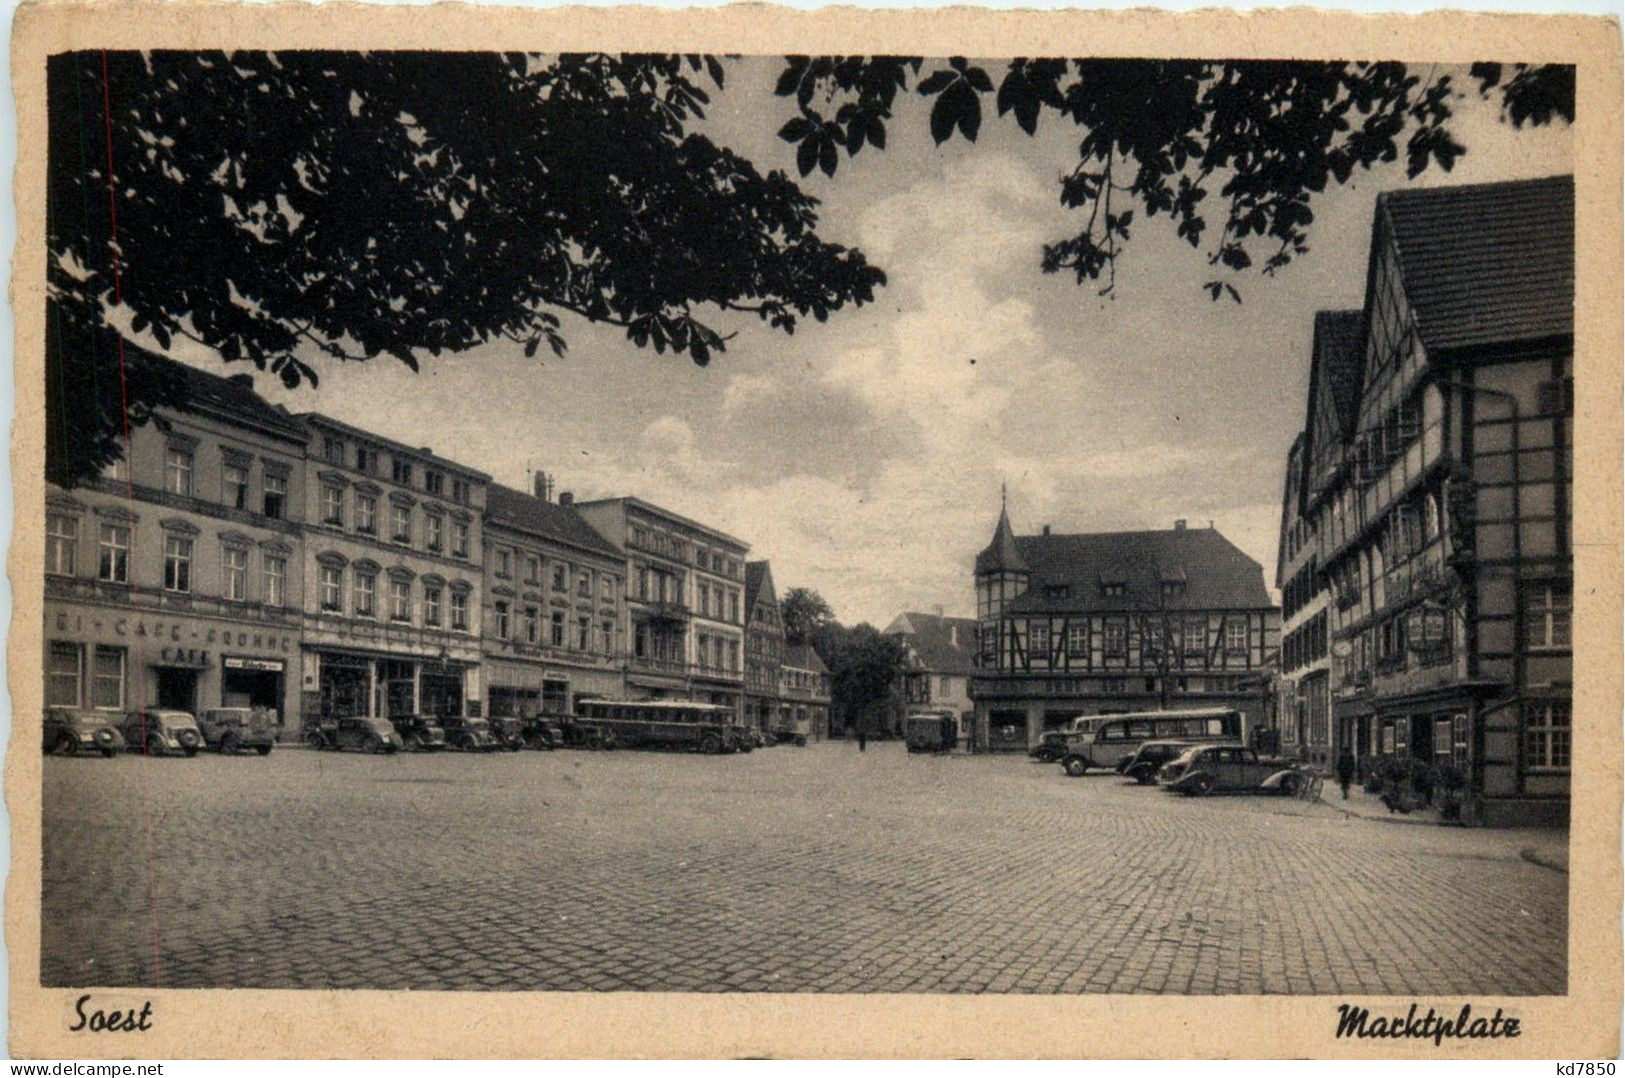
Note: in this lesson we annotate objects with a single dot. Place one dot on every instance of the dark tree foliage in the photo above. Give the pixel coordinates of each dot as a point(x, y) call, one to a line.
point(280, 207)
point(865, 668)
point(803, 611)
point(1232, 152)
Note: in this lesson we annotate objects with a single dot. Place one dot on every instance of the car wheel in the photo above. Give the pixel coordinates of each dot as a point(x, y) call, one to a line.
point(263, 750)
point(229, 745)
point(1200, 786)
point(415, 743)
point(315, 740)
point(711, 744)
point(1291, 785)
point(1075, 765)
point(1144, 776)
point(190, 750)
point(67, 745)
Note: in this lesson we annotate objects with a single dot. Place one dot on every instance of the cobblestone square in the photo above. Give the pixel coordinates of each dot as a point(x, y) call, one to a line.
point(819, 869)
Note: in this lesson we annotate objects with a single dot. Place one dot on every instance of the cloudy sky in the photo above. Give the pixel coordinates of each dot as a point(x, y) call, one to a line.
point(864, 456)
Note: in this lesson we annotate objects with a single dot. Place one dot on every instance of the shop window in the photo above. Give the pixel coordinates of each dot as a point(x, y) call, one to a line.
point(332, 587)
point(1547, 735)
point(234, 574)
point(275, 494)
point(333, 505)
point(431, 605)
point(459, 611)
point(113, 565)
point(178, 471)
point(366, 514)
point(107, 679)
point(236, 485)
point(1548, 616)
point(276, 578)
point(400, 600)
point(432, 525)
point(61, 539)
point(177, 563)
point(366, 589)
point(62, 674)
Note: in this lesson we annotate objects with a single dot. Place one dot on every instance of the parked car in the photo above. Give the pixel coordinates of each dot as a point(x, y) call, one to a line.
point(469, 734)
point(542, 732)
point(231, 729)
point(354, 733)
point(509, 731)
point(1051, 747)
point(1143, 766)
point(72, 732)
point(420, 733)
point(161, 731)
point(1205, 769)
point(931, 731)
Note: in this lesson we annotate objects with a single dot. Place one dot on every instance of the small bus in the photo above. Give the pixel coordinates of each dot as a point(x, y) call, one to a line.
point(663, 724)
point(1117, 737)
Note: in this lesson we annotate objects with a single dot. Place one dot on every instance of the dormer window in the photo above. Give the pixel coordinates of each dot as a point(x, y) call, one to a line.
point(1057, 591)
point(1110, 589)
point(1173, 589)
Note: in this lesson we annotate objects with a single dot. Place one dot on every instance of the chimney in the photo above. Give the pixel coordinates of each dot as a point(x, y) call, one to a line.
point(566, 497)
point(1046, 529)
point(953, 636)
point(1179, 525)
point(540, 486)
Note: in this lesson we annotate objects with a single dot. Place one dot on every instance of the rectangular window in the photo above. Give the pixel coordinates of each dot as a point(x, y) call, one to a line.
point(366, 514)
point(431, 605)
point(1038, 638)
point(459, 491)
point(276, 494)
point(533, 569)
point(178, 471)
point(402, 531)
point(705, 599)
point(401, 471)
point(1195, 637)
point(177, 563)
point(1077, 640)
point(1547, 735)
point(733, 607)
point(609, 638)
point(1548, 616)
point(533, 624)
point(504, 559)
point(643, 583)
point(400, 600)
point(236, 486)
point(501, 610)
point(459, 610)
point(114, 564)
point(556, 629)
point(583, 634)
point(1113, 589)
point(107, 679)
point(61, 537)
point(433, 482)
point(432, 524)
point(366, 459)
point(234, 574)
point(333, 505)
point(333, 449)
point(276, 576)
point(62, 675)
point(459, 539)
point(1235, 636)
point(733, 655)
point(332, 588)
point(584, 584)
point(1116, 638)
point(366, 589)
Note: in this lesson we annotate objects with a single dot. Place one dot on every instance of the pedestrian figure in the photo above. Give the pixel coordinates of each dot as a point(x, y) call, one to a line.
point(1345, 771)
point(863, 741)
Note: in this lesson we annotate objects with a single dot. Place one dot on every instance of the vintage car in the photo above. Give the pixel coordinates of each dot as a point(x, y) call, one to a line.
point(469, 734)
point(354, 733)
point(1143, 766)
point(71, 732)
point(542, 732)
point(509, 731)
point(1206, 769)
point(931, 731)
point(792, 734)
point(232, 729)
point(420, 733)
point(1051, 747)
point(161, 731)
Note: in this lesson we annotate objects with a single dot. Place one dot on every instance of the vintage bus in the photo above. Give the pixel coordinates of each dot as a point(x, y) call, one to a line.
point(1117, 737)
point(663, 724)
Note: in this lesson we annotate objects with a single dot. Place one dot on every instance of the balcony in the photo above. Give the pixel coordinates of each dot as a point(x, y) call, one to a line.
point(650, 664)
point(665, 610)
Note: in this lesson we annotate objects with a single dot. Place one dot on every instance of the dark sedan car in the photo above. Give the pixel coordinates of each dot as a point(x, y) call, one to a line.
point(71, 732)
point(420, 733)
point(509, 731)
point(1206, 769)
point(470, 734)
point(355, 733)
point(1143, 766)
point(161, 732)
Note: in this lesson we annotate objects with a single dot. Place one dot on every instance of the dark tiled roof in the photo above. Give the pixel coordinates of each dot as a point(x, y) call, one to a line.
point(230, 397)
point(1339, 362)
point(755, 573)
point(1487, 263)
point(937, 646)
point(1002, 553)
point(803, 657)
point(1068, 571)
point(525, 512)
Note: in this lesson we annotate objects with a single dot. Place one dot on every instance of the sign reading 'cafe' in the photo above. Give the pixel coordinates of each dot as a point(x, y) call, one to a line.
point(177, 632)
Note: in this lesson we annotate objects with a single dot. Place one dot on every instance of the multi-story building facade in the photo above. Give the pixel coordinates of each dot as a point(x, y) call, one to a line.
point(1304, 709)
point(941, 659)
point(1444, 529)
point(173, 580)
point(764, 645)
point(554, 606)
point(1112, 622)
point(804, 691)
point(392, 576)
point(685, 612)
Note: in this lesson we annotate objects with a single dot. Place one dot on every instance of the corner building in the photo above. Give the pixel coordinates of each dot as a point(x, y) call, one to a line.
point(1112, 622)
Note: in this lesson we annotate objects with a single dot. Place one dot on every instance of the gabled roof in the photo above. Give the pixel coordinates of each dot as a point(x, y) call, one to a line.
point(757, 574)
point(524, 512)
point(941, 644)
point(1068, 571)
point(1002, 554)
point(803, 657)
point(1337, 366)
point(230, 398)
point(1486, 263)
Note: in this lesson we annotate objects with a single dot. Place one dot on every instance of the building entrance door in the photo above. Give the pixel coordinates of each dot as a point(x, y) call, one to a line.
point(177, 688)
point(1422, 737)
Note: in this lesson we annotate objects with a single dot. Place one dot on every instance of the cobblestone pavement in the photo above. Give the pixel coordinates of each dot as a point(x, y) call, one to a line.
point(815, 869)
